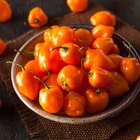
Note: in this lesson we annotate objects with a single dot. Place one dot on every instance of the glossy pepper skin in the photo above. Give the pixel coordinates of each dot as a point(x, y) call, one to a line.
point(96, 99)
point(83, 37)
point(103, 17)
point(27, 84)
point(33, 66)
point(62, 34)
point(130, 67)
point(38, 47)
point(74, 104)
point(103, 43)
point(102, 31)
point(69, 53)
point(51, 99)
point(97, 58)
point(100, 78)
point(5, 11)
point(119, 86)
point(49, 60)
point(70, 77)
point(77, 6)
point(116, 59)
point(37, 17)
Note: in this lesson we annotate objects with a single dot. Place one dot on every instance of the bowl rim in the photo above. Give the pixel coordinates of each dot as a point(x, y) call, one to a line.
point(74, 120)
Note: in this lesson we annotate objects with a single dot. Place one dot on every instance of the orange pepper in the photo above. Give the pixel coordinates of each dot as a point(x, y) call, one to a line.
point(37, 17)
point(33, 66)
point(27, 84)
point(74, 104)
point(70, 78)
point(83, 37)
point(38, 47)
point(119, 86)
point(116, 59)
point(102, 31)
point(62, 34)
point(2, 46)
point(96, 99)
point(103, 43)
point(97, 58)
point(5, 11)
point(77, 6)
point(49, 60)
point(103, 17)
point(51, 99)
point(100, 78)
point(69, 53)
point(130, 67)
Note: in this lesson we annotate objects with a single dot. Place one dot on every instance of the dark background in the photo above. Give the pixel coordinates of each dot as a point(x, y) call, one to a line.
point(11, 127)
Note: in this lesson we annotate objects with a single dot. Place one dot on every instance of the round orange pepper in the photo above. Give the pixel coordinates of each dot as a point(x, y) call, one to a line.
point(103, 17)
point(70, 78)
point(27, 84)
point(96, 99)
point(2, 46)
point(103, 43)
point(49, 60)
point(116, 59)
point(83, 37)
point(97, 58)
point(51, 99)
point(77, 6)
point(74, 104)
point(119, 86)
point(38, 47)
point(5, 11)
point(37, 17)
point(100, 78)
point(102, 31)
point(33, 66)
point(130, 67)
point(69, 53)
point(62, 34)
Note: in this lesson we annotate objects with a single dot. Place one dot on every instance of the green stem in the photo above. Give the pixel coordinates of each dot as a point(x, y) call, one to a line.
point(9, 62)
point(30, 53)
point(65, 86)
point(48, 75)
point(97, 90)
point(63, 47)
point(36, 21)
point(45, 85)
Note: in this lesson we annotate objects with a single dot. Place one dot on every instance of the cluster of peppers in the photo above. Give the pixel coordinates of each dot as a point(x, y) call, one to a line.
point(77, 70)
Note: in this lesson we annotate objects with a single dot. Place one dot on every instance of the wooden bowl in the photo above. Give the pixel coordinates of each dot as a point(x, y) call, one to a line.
point(115, 105)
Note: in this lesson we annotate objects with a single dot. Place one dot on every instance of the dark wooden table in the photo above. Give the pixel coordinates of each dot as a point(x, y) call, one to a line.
point(11, 127)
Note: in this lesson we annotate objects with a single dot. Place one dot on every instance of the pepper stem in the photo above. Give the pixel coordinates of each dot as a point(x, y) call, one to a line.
point(48, 75)
point(45, 85)
point(36, 21)
point(65, 86)
point(63, 47)
point(22, 68)
point(30, 53)
point(97, 90)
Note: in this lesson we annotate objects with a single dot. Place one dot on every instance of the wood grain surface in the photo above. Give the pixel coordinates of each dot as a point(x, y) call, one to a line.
point(11, 128)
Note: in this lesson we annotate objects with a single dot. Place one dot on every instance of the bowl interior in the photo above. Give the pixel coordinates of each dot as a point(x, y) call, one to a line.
point(115, 105)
